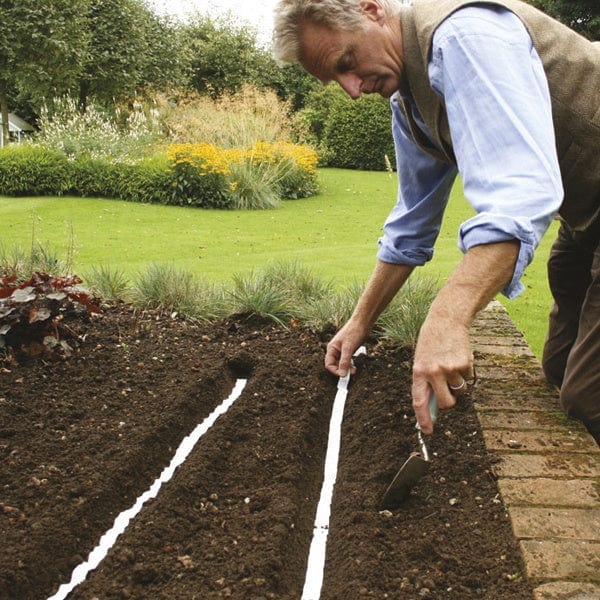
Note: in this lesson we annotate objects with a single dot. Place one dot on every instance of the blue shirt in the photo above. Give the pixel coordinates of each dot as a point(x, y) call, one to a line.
point(484, 66)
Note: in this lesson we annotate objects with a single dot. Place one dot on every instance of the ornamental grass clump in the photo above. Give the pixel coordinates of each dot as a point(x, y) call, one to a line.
point(168, 288)
point(111, 284)
point(231, 121)
point(20, 262)
point(402, 319)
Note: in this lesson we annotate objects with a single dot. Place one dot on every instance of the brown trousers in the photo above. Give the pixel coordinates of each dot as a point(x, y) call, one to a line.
point(571, 358)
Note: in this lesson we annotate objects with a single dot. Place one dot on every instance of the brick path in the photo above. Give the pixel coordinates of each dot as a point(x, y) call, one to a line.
point(548, 465)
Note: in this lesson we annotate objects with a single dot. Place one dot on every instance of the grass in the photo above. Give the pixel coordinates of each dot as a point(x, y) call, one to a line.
point(334, 233)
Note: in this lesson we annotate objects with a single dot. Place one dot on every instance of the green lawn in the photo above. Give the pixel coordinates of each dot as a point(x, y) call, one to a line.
point(335, 233)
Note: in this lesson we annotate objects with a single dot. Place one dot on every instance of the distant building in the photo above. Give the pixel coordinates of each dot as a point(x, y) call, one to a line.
point(17, 127)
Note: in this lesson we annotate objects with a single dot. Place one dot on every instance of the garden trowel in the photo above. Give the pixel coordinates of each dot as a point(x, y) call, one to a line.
point(415, 467)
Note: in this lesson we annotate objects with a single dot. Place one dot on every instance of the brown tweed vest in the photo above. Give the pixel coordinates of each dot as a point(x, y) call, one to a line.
point(572, 66)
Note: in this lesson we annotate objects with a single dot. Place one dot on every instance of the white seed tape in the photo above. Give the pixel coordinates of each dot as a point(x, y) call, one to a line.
point(107, 541)
point(316, 556)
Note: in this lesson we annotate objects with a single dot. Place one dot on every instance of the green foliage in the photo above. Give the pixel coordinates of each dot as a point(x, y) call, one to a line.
point(43, 46)
point(225, 55)
point(330, 309)
point(297, 282)
point(352, 134)
point(146, 181)
point(21, 263)
point(110, 283)
point(258, 294)
point(166, 287)
point(32, 171)
point(402, 319)
point(581, 15)
point(296, 181)
point(358, 134)
point(166, 63)
point(117, 50)
point(194, 186)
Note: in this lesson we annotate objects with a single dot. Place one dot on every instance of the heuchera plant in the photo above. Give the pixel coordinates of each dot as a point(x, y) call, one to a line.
point(32, 313)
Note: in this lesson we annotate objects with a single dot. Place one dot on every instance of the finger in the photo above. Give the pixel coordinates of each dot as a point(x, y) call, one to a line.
point(332, 359)
point(459, 387)
point(339, 361)
point(421, 393)
point(345, 364)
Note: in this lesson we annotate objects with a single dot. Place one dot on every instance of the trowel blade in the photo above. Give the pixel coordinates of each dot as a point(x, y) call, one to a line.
point(406, 478)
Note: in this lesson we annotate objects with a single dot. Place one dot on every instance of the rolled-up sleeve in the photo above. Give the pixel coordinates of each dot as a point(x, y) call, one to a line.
point(496, 95)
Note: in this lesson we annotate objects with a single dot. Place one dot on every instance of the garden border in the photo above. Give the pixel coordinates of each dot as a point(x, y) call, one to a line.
point(548, 466)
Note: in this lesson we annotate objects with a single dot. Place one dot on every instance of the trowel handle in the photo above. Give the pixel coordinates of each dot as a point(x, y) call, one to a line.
point(433, 407)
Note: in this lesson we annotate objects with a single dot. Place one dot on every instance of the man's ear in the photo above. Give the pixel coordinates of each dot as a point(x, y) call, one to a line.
point(372, 10)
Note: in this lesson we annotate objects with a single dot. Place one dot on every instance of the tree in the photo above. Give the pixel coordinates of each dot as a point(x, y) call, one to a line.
point(224, 55)
point(581, 15)
point(117, 51)
point(42, 48)
point(167, 60)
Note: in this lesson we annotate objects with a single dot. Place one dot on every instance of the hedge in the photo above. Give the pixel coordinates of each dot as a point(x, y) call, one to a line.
point(187, 174)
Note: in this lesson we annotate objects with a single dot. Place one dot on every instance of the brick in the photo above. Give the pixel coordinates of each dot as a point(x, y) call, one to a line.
point(511, 341)
point(504, 401)
point(560, 465)
point(560, 441)
point(551, 492)
point(567, 590)
point(502, 349)
point(512, 373)
point(520, 420)
point(556, 523)
point(563, 559)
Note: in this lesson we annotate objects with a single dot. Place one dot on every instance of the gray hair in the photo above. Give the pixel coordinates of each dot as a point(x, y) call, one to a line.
point(344, 15)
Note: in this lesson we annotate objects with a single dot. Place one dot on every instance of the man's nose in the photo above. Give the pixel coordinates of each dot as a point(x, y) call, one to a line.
point(351, 84)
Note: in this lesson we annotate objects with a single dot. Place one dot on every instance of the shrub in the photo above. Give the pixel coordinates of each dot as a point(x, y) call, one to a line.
point(198, 175)
point(27, 170)
point(299, 179)
point(351, 134)
point(146, 181)
point(32, 313)
point(255, 177)
point(95, 133)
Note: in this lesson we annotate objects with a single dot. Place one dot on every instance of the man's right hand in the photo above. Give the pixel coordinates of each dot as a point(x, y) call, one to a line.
point(338, 359)
point(382, 286)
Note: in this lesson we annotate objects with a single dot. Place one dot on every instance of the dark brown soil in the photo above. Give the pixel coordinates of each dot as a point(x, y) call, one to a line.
point(80, 440)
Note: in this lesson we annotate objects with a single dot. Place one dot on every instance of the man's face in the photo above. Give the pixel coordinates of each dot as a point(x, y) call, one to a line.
point(367, 61)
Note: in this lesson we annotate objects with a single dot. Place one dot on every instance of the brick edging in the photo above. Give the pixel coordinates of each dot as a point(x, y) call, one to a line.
point(548, 465)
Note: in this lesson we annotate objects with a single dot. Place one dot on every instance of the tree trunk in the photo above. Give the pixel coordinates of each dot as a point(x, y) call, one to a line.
point(84, 90)
point(5, 139)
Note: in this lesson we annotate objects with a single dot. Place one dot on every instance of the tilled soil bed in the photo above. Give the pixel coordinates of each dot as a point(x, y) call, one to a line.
point(80, 440)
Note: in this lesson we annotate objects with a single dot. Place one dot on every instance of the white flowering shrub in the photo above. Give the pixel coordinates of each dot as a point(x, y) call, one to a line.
point(95, 134)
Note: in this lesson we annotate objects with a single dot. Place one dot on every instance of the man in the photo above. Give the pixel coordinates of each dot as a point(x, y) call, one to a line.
point(510, 99)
